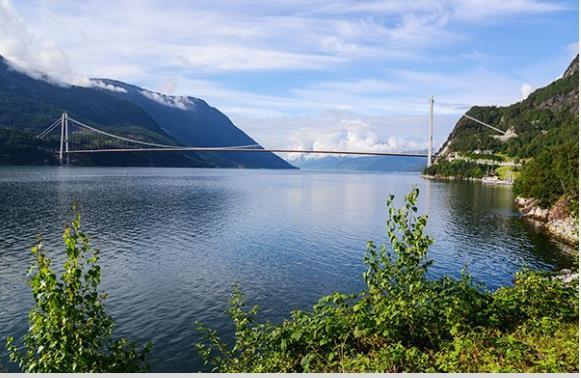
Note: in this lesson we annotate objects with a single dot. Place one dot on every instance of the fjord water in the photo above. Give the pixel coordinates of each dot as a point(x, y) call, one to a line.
point(174, 241)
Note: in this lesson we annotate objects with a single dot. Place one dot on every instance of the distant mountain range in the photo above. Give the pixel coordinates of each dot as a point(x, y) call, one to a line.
point(364, 163)
point(29, 104)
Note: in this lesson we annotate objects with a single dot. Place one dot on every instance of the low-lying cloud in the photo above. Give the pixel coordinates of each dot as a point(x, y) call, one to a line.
point(38, 57)
point(179, 102)
point(354, 135)
point(525, 90)
point(110, 87)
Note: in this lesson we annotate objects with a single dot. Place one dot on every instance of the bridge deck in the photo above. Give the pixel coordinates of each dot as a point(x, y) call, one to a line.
point(229, 149)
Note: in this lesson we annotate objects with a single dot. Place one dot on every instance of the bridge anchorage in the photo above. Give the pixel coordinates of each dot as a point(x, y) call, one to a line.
point(77, 137)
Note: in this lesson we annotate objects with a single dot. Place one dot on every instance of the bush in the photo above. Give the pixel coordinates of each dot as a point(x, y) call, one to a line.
point(403, 322)
point(513, 305)
point(538, 345)
point(70, 331)
point(550, 175)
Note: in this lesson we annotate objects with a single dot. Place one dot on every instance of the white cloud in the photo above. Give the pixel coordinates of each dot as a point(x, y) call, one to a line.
point(110, 87)
point(463, 8)
point(228, 36)
point(572, 48)
point(362, 86)
point(36, 56)
point(179, 102)
point(389, 112)
point(492, 10)
point(169, 85)
point(236, 58)
point(348, 134)
point(335, 130)
point(525, 90)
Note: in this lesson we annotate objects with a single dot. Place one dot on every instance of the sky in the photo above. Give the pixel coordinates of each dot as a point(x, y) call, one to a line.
point(307, 74)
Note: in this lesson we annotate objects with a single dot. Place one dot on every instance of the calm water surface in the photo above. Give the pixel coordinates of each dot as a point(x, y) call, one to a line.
point(174, 241)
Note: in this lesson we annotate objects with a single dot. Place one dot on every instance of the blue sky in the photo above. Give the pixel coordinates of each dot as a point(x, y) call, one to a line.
point(309, 74)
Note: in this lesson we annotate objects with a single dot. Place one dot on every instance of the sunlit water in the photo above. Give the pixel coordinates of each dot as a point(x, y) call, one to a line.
point(174, 241)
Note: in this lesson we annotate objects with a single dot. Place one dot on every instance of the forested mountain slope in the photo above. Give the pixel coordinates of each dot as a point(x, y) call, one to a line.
point(31, 102)
point(549, 115)
point(541, 140)
point(191, 121)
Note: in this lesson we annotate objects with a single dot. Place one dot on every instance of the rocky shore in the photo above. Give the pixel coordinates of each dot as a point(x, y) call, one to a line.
point(557, 221)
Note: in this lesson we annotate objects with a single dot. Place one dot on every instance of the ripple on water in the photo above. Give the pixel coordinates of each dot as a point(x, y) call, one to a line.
point(174, 241)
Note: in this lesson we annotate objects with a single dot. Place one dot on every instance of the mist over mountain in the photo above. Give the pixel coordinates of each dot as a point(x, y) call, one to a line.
point(31, 103)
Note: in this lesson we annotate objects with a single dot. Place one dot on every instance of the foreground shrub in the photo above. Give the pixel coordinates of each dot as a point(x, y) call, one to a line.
point(403, 322)
point(70, 331)
point(537, 345)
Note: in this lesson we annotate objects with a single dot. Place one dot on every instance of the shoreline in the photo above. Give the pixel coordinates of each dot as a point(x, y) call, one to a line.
point(483, 180)
point(554, 221)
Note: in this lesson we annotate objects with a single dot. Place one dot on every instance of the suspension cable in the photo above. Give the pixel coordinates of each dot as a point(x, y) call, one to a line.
point(83, 125)
point(49, 129)
point(484, 124)
point(103, 141)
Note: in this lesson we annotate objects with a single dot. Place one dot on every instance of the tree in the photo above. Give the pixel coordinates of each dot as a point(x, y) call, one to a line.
point(553, 173)
point(70, 331)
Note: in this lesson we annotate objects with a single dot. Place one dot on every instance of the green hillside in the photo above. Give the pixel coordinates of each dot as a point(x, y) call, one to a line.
point(542, 134)
point(30, 102)
point(29, 105)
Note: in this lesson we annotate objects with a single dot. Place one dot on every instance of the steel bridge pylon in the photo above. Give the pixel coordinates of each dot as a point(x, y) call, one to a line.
point(64, 144)
point(430, 131)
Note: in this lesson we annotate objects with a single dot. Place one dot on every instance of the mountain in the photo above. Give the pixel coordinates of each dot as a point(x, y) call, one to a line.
point(549, 115)
point(30, 103)
point(364, 163)
point(540, 146)
point(192, 122)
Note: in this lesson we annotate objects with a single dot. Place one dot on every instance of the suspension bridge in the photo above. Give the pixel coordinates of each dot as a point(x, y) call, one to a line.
point(77, 137)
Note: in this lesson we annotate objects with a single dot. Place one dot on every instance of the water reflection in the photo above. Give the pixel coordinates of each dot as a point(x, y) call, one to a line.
point(174, 241)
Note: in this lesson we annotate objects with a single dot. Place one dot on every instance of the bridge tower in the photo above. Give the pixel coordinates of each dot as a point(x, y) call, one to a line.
point(64, 145)
point(430, 130)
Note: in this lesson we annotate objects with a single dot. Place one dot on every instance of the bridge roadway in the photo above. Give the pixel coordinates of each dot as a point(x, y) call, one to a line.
point(232, 149)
